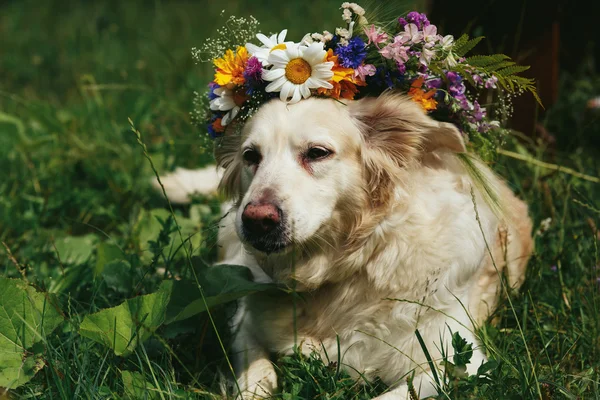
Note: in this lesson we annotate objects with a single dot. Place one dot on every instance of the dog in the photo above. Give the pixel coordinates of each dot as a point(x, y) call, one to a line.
point(366, 208)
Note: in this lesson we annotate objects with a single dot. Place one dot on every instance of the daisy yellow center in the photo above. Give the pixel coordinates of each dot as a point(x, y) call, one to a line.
point(280, 46)
point(298, 71)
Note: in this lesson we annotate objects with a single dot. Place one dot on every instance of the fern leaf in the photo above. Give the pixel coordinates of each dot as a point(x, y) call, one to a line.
point(485, 61)
point(467, 46)
point(512, 70)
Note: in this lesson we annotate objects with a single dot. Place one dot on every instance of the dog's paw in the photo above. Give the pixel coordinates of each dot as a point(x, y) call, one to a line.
point(399, 393)
point(259, 381)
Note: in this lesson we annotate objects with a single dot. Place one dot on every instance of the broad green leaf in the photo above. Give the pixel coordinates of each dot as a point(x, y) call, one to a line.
point(75, 249)
point(123, 327)
point(149, 226)
point(136, 387)
point(105, 253)
point(220, 283)
point(26, 318)
point(118, 275)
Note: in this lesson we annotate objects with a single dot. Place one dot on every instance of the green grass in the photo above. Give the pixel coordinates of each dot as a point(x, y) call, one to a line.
point(74, 72)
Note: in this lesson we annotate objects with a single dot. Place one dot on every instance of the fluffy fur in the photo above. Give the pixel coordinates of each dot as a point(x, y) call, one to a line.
point(382, 238)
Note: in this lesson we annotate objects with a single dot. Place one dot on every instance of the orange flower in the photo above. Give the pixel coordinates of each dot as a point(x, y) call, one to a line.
point(418, 95)
point(230, 67)
point(343, 81)
point(217, 125)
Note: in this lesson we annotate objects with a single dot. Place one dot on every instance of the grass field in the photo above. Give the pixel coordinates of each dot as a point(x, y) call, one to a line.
point(80, 222)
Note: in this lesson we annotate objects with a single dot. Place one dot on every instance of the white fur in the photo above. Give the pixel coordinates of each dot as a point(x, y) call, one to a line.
point(421, 264)
point(182, 183)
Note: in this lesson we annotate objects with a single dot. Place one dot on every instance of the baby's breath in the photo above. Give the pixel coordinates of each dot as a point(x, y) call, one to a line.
point(237, 31)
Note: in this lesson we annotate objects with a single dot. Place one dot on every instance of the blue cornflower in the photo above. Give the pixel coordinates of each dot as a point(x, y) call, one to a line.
point(353, 54)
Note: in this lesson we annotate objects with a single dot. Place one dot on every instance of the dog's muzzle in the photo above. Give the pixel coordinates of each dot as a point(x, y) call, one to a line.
point(262, 225)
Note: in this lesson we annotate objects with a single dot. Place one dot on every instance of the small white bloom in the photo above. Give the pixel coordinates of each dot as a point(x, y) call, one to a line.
point(296, 70)
point(327, 36)
point(358, 10)
point(225, 102)
point(317, 36)
point(343, 33)
point(447, 42)
point(347, 15)
point(269, 43)
point(450, 61)
point(426, 55)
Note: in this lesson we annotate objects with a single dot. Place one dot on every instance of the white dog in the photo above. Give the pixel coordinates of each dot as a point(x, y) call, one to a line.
point(366, 210)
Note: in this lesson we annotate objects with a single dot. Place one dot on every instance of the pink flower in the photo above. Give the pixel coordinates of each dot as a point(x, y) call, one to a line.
point(396, 50)
point(412, 34)
point(364, 70)
point(375, 35)
point(430, 35)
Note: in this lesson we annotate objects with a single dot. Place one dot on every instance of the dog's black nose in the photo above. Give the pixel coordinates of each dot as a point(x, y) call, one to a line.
point(260, 219)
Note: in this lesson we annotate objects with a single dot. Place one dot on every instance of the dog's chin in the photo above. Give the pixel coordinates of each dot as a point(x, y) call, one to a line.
point(269, 247)
point(275, 243)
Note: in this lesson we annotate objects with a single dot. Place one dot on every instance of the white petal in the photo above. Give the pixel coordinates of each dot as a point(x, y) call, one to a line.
point(294, 51)
point(222, 103)
point(281, 36)
point(315, 83)
point(252, 48)
point(234, 111)
point(271, 75)
point(314, 54)
point(276, 85)
point(279, 58)
point(262, 55)
point(286, 90)
point(305, 91)
point(225, 119)
point(296, 97)
point(264, 40)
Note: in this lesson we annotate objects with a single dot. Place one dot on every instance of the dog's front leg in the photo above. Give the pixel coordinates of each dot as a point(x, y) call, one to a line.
point(256, 377)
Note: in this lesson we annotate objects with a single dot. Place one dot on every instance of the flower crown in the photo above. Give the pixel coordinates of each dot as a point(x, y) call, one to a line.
point(358, 60)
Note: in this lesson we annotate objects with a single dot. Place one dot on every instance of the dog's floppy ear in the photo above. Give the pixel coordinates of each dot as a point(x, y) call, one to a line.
point(227, 155)
point(396, 131)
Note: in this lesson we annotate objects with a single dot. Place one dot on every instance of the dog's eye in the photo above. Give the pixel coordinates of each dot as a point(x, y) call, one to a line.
point(317, 153)
point(252, 156)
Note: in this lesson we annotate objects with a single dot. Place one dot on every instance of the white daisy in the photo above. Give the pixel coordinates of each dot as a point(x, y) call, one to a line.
point(296, 70)
point(274, 42)
point(225, 102)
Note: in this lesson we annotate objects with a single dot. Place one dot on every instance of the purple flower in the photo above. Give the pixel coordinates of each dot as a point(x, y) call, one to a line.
point(402, 68)
point(253, 71)
point(453, 77)
point(491, 82)
point(353, 54)
point(416, 18)
point(478, 112)
point(477, 79)
point(434, 83)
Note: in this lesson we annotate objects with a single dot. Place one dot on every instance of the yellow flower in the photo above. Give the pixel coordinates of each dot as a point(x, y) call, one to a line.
point(230, 67)
point(418, 95)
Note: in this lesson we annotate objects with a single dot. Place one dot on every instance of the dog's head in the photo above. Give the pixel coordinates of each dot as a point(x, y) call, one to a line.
point(313, 170)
